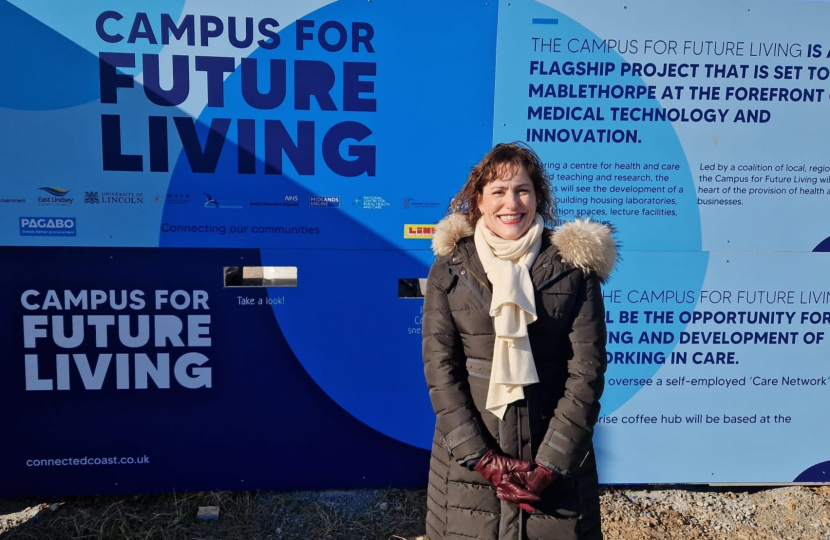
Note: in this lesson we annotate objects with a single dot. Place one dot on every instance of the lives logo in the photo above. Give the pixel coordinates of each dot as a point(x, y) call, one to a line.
point(47, 226)
point(212, 203)
point(113, 197)
point(57, 197)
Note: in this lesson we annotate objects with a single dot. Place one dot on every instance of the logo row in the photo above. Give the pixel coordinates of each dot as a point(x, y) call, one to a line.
point(55, 196)
point(66, 226)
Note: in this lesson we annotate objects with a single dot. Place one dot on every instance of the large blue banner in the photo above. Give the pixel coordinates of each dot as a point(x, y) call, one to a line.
point(325, 137)
point(695, 128)
point(148, 152)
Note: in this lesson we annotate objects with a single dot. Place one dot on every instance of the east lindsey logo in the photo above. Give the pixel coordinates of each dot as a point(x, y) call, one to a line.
point(57, 197)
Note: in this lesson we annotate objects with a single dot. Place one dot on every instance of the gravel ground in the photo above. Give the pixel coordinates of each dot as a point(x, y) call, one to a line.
point(690, 512)
point(706, 513)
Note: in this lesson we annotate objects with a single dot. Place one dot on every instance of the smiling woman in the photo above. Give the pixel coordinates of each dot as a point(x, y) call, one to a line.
point(514, 352)
point(508, 205)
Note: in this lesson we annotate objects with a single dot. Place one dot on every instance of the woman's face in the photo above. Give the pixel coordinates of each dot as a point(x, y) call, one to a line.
point(508, 204)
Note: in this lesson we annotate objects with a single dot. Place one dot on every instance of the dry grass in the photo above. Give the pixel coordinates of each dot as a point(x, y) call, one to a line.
point(353, 515)
point(635, 513)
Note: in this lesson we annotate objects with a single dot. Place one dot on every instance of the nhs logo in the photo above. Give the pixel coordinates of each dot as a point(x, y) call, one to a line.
point(47, 226)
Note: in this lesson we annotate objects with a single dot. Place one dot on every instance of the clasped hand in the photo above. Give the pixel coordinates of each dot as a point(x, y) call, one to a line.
point(518, 482)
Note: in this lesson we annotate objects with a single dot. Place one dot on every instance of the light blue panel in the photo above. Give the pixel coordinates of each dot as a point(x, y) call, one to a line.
point(666, 263)
point(759, 181)
point(759, 287)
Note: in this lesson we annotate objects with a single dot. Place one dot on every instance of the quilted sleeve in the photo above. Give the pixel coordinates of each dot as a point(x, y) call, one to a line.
point(458, 420)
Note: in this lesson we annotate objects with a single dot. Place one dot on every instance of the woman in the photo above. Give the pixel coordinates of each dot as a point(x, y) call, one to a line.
point(514, 353)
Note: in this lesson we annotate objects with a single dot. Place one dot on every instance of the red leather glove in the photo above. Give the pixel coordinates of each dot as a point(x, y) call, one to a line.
point(534, 481)
point(515, 494)
point(497, 469)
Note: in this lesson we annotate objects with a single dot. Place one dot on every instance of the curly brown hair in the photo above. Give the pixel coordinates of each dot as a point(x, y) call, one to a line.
point(492, 167)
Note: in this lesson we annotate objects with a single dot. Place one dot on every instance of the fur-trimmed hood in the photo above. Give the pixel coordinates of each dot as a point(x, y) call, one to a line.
point(585, 244)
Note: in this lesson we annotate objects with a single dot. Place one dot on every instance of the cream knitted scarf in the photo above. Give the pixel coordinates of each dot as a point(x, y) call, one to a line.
point(507, 263)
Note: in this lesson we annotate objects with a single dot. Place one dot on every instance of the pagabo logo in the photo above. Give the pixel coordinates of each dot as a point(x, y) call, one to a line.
point(47, 226)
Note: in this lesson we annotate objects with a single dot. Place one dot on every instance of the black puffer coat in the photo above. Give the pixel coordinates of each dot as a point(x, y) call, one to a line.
point(554, 423)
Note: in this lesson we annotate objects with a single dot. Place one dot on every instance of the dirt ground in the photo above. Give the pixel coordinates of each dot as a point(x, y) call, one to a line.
point(693, 513)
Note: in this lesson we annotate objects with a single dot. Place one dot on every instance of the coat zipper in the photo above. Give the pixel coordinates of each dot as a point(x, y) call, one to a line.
point(484, 303)
point(478, 279)
point(520, 456)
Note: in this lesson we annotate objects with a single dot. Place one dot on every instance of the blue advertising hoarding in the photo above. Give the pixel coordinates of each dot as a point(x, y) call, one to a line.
point(695, 129)
point(147, 151)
